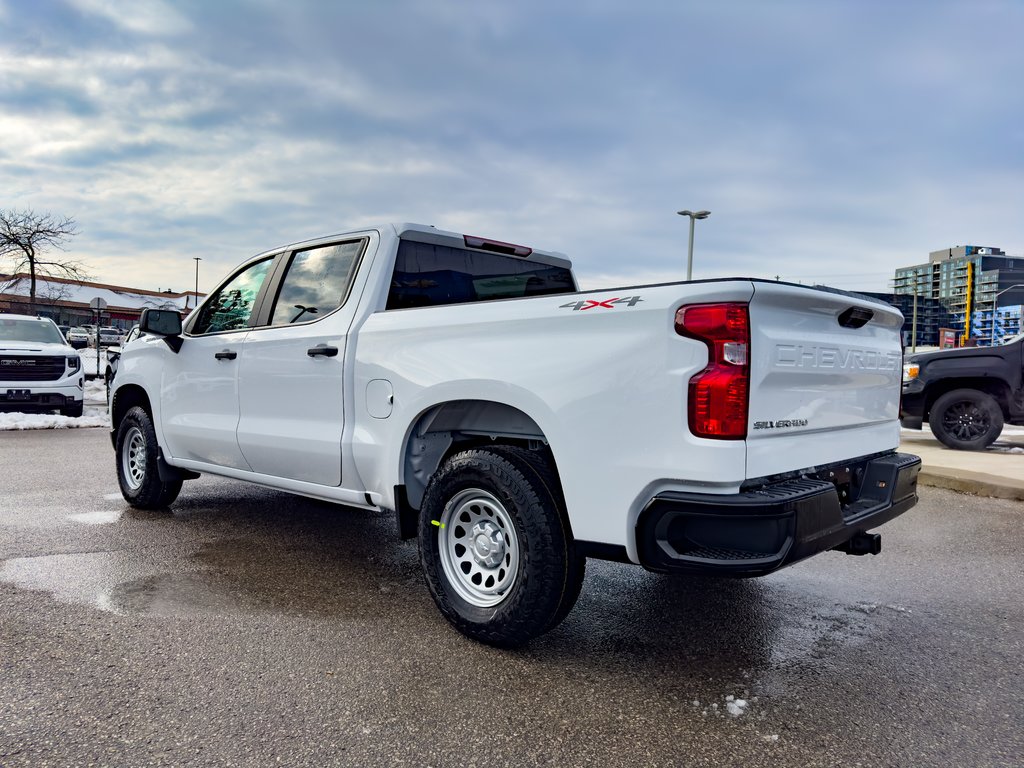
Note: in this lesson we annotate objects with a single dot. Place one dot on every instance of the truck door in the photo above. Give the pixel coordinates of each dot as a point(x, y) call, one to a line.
point(292, 368)
point(199, 386)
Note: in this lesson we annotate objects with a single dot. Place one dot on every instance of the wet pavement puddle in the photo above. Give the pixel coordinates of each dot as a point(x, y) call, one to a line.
point(218, 579)
point(181, 594)
point(110, 582)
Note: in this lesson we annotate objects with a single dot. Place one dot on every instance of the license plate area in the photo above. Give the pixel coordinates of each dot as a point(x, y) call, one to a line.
point(19, 394)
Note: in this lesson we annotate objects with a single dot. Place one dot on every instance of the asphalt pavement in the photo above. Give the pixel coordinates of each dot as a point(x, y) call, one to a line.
point(249, 627)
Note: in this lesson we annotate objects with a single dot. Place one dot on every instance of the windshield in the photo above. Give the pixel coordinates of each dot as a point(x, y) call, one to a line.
point(1012, 339)
point(29, 330)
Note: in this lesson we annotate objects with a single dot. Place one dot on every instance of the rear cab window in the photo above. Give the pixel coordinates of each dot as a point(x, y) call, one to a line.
point(430, 275)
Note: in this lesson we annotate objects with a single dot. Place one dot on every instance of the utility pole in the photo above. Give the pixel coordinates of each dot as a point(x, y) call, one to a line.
point(693, 217)
point(913, 325)
point(197, 260)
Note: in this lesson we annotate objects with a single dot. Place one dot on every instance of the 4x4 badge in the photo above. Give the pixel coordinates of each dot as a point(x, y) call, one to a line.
point(629, 301)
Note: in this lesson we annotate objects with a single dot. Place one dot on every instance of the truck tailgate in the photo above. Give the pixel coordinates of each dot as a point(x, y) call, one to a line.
point(825, 373)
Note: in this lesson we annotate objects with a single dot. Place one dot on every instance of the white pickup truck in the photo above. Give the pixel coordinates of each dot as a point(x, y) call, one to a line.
point(518, 426)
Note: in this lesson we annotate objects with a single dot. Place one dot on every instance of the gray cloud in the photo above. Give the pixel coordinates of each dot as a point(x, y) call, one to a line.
point(827, 139)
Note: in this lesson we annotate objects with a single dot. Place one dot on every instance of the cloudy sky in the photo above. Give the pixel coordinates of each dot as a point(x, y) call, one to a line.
point(832, 141)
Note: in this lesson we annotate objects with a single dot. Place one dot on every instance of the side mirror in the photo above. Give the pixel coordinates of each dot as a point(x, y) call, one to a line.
point(162, 322)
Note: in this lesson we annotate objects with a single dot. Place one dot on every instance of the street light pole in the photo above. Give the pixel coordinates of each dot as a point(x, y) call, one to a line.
point(197, 260)
point(995, 303)
point(693, 217)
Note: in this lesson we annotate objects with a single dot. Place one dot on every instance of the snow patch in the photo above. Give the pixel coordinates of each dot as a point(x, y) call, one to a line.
point(734, 706)
point(898, 608)
point(95, 390)
point(1004, 449)
point(91, 417)
point(97, 518)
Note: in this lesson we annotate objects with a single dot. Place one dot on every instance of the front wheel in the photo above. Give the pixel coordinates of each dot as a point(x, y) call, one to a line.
point(495, 546)
point(137, 471)
point(966, 419)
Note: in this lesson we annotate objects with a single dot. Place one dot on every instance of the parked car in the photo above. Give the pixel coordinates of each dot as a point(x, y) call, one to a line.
point(39, 370)
point(106, 336)
point(79, 337)
point(966, 395)
point(114, 355)
point(518, 426)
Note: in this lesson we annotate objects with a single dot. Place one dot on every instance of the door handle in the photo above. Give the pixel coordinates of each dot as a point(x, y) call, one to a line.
point(322, 350)
point(227, 354)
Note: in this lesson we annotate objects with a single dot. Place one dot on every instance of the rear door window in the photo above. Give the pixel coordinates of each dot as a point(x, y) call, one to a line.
point(431, 275)
point(317, 282)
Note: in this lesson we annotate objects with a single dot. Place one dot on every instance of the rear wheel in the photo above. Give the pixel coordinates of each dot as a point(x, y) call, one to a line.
point(966, 419)
point(495, 546)
point(137, 471)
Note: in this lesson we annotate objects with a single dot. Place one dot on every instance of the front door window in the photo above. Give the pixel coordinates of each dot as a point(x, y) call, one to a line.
point(231, 306)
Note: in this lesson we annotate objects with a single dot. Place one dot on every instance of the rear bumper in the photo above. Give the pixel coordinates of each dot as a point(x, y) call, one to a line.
point(761, 530)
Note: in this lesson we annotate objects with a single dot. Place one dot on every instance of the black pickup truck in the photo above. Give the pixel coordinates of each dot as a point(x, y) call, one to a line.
point(965, 395)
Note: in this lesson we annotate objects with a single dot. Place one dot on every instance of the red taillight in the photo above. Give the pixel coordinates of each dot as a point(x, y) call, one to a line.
point(719, 395)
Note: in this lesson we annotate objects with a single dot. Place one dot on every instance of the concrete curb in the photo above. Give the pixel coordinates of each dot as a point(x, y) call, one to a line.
point(976, 483)
point(997, 473)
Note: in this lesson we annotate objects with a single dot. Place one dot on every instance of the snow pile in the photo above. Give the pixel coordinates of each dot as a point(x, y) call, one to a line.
point(92, 417)
point(95, 391)
point(1005, 448)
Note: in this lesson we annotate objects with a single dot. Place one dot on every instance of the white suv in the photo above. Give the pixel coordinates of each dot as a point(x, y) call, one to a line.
point(39, 370)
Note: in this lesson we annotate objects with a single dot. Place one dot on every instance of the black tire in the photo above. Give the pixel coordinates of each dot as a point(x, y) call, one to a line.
point(966, 419)
point(494, 488)
point(74, 410)
point(136, 457)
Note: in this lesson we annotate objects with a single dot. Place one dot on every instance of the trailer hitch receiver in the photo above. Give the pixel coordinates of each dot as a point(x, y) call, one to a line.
point(862, 544)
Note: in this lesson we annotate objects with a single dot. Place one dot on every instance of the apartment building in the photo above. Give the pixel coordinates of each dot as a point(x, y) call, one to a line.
point(965, 279)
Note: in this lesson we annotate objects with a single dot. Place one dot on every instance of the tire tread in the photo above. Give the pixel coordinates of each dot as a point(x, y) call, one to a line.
point(551, 574)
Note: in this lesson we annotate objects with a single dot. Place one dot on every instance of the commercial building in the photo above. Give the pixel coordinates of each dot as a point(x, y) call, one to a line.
point(66, 302)
point(932, 314)
point(967, 280)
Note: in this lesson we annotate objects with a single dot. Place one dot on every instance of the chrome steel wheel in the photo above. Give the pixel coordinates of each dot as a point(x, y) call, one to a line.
point(133, 458)
point(478, 547)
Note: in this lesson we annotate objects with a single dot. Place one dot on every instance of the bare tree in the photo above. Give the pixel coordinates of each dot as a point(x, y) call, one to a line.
point(25, 236)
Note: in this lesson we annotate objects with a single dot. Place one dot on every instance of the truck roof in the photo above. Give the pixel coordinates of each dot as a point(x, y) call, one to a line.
point(427, 233)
